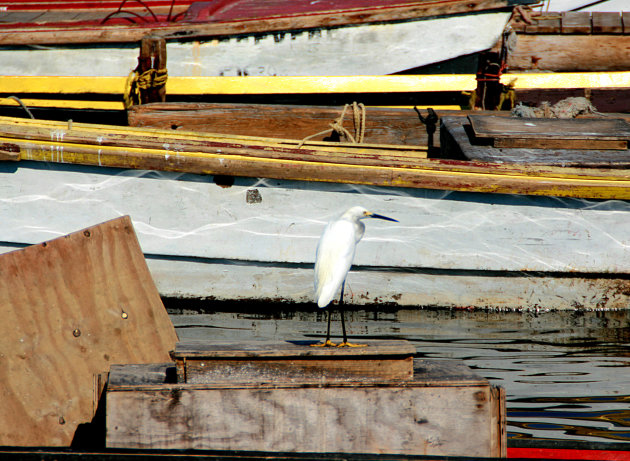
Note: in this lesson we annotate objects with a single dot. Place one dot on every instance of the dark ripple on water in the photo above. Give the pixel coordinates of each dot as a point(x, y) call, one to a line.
point(566, 374)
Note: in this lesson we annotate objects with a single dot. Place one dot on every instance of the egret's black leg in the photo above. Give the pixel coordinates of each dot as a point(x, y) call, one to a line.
point(345, 342)
point(328, 329)
point(328, 342)
point(343, 322)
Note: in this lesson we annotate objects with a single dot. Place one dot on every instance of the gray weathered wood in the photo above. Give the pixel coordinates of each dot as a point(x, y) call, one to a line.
point(607, 23)
point(444, 410)
point(576, 22)
point(457, 135)
point(211, 361)
point(488, 126)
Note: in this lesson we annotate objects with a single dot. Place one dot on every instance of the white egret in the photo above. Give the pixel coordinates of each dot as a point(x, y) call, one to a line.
point(333, 259)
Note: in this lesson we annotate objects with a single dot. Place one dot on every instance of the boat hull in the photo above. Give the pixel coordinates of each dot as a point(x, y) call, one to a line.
point(254, 239)
point(365, 49)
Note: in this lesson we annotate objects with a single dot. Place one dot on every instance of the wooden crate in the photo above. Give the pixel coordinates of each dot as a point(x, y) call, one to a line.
point(444, 409)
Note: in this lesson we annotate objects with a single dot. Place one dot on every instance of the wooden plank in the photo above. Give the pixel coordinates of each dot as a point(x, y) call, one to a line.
point(586, 144)
point(455, 135)
point(382, 126)
point(444, 410)
point(625, 20)
point(607, 23)
point(71, 307)
point(275, 361)
point(488, 126)
point(286, 349)
point(571, 53)
point(543, 23)
point(576, 22)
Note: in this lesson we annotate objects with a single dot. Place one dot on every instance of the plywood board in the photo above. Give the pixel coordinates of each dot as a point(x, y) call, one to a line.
point(70, 308)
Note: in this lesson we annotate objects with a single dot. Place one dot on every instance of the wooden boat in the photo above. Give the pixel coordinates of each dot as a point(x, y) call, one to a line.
point(233, 217)
point(561, 449)
point(247, 37)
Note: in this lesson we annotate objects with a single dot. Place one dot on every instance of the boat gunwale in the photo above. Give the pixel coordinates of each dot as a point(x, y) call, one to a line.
point(59, 34)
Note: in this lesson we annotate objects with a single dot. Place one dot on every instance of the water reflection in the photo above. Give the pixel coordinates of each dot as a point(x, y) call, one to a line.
point(566, 374)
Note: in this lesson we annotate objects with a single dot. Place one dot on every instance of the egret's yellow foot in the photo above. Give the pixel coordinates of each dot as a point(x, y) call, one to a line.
point(347, 344)
point(328, 343)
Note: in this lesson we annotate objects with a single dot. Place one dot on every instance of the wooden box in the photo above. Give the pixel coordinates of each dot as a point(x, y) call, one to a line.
point(443, 409)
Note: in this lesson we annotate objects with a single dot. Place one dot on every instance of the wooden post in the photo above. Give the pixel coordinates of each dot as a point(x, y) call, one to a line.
point(152, 56)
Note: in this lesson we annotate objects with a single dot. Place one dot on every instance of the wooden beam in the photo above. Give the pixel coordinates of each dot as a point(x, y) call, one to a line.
point(152, 59)
point(590, 144)
point(570, 53)
point(576, 22)
point(400, 126)
point(281, 361)
point(607, 23)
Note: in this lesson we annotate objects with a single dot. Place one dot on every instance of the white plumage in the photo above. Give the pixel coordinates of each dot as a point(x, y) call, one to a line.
point(335, 253)
point(333, 260)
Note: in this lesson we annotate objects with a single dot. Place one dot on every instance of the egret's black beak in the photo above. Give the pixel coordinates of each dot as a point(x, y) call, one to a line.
point(380, 216)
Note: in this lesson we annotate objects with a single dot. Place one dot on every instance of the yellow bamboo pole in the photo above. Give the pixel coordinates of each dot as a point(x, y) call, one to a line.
point(420, 175)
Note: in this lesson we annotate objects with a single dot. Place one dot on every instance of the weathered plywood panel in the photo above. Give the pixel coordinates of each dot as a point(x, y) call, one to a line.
point(445, 410)
point(70, 308)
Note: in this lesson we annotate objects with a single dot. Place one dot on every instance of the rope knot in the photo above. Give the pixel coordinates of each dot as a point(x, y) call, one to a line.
point(358, 112)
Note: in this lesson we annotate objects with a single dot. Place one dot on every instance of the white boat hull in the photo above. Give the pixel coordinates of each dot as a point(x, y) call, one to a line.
point(255, 240)
point(369, 49)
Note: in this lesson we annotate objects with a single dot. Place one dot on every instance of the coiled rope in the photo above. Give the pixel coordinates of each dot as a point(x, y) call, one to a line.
point(152, 78)
point(358, 113)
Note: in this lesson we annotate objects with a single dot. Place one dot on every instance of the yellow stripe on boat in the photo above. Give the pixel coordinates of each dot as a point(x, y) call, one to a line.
point(244, 85)
point(564, 80)
point(65, 103)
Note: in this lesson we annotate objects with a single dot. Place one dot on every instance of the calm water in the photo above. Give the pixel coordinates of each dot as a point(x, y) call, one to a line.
point(566, 374)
